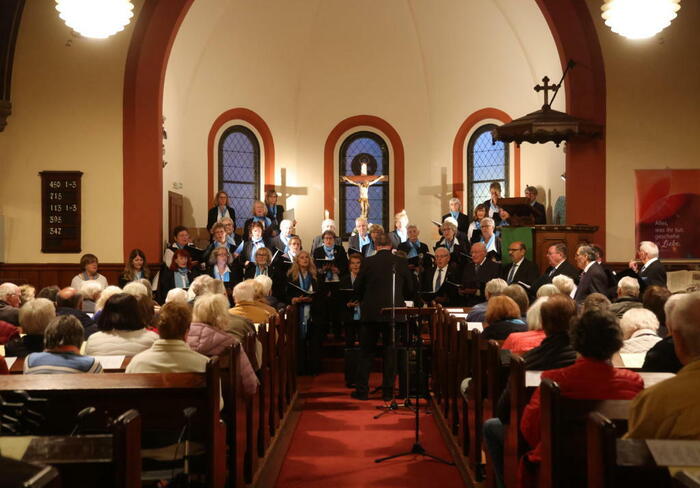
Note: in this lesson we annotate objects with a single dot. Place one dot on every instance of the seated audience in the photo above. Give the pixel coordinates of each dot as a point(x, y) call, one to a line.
point(9, 303)
point(492, 289)
point(519, 296)
point(474, 229)
point(627, 296)
point(519, 342)
point(593, 278)
point(90, 290)
point(70, 302)
point(170, 353)
point(547, 290)
point(476, 274)
point(263, 294)
point(136, 289)
point(639, 330)
point(662, 356)
point(651, 272)
point(49, 292)
point(596, 337)
point(176, 295)
point(135, 268)
point(502, 318)
point(564, 284)
point(246, 306)
point(654, 298)
point(671, 409)
point(121, 329)
point(34, 316)
point(88, 267)
point(595, 301)
point(179, 275)
point(104, 296)
point(26, 294)
point(62, 340)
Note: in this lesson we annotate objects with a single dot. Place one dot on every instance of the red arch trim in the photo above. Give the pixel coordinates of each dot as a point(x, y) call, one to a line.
point(460, 140)
point(263, 129)
point(329, 157)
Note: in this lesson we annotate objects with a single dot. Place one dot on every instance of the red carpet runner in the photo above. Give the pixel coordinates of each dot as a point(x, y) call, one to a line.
point(337, 440)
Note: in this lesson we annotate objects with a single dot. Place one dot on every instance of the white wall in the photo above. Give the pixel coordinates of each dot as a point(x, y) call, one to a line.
point(303, 66)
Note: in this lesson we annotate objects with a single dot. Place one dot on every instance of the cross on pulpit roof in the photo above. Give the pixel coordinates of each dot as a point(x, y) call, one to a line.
point(546, 87)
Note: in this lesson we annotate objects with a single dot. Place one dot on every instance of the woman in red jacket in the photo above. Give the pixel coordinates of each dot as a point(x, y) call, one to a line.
point(596, 336)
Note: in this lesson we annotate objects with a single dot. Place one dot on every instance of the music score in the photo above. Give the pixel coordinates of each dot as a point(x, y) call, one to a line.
point(61, 211)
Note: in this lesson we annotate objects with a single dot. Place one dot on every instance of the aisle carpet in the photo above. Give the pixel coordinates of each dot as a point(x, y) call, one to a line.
point(336, 442)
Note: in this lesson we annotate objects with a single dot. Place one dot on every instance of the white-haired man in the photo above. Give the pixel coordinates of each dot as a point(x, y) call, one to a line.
point(9, 303)
point(493, 288)
point(627, 296)
point(652, 271)
point(281, 241)
point(360, 238)
point(671, 409)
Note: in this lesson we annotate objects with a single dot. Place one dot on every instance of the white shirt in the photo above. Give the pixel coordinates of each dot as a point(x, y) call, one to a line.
point(585, 270)
point(443, 277)
point(646, 265)
point(514, 269)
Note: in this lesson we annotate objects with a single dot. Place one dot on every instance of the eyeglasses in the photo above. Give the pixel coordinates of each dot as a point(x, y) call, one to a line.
point(514, 250)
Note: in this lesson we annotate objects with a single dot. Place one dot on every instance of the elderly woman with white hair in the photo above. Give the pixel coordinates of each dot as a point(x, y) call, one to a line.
point(263, 294)
point(662, 356)
point(90, 290)
point(639, 330)
point(627, 296)
point(547, 290)
point(564, 284)
point(34, 316)
point(457, 246)
point(520, 342)
point(104, 296)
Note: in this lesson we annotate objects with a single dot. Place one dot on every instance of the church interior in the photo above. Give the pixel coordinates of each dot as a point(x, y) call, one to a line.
point(301, 93)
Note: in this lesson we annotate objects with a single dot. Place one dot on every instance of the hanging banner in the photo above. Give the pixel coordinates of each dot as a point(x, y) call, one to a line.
point(668, 211)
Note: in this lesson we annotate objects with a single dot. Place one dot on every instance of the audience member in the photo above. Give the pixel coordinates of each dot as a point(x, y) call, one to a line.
point(170, 353)
point(246, 306)
point(121, 329)
point(34, 316)
point(492, 289)
point(135, 268)
point(9, 303)
point(176, 295)
point(654, 298)
point(671, 409)
point(627, 296)
point(88, 267)
point(520, 342)
point(62, 340)
point(104, 296)
point(564, 284)
point(49, 292)
point(90, 290)
point(595, 301)
point(596, 336)
point(547, 290)
point(519, 296)
point(70, 302)
point(639, 330)
point(662, 357)
point(263, 294)
point(26, 294)
point(502, 318)
point(136, 289)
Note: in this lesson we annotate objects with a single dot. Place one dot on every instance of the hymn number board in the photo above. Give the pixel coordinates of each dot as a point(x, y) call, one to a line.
point(60, 211)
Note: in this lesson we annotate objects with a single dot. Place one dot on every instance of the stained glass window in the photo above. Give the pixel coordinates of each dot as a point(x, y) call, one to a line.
point(486, 162)
point(239, 170)
point(370, 149)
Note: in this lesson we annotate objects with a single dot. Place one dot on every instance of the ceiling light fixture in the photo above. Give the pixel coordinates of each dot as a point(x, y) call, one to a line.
point(98, 19)
point(639, 19)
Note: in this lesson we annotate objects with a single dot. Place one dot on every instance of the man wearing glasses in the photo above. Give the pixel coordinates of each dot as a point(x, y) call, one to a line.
point(520, 271)
point(9, 303)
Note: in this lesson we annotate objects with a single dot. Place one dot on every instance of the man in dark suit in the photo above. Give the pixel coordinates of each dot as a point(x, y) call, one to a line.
point(537, 208)
point(558, 265)
point(652, 272)
point(456, 213)
point(441, 279)
point(476, 274)
point(374, 286)
point(360, 238)
point(593, 278)
point(520, 271)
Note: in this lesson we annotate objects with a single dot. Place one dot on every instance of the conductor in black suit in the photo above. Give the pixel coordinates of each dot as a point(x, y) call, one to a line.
point(593, 278)
point(476, 274)
point(558, 265)
point(220, 210)
point(537, 208)
point(374, 286)
point(652, 272)
point(521, 270)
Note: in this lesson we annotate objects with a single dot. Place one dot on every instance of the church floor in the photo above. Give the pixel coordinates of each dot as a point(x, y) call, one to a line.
point(336, 441)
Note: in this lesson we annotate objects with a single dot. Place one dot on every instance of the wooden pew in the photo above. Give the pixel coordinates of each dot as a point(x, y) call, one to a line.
point(563, 443)
point(252, 415)
point(514, 445)
point(264, 406)
point(234, 415)
point(126, 453)
point(159, 398)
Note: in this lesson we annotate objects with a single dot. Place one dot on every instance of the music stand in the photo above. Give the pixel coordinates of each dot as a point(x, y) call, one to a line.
point(417, 447)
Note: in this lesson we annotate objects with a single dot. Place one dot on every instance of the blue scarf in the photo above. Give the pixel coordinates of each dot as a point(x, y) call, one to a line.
point(259, 271)
point(413, 250)
point(266, 222)
point(230, 240)
point(181, 279)
point(272, 210)
point(454, 215)
point(363, 240)
point(305, 308)
point(331, 255)
point(222, 212)
point(285, 241)
point(225, 276)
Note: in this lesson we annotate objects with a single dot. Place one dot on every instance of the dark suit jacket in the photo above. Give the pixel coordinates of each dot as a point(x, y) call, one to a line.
point(565, 268)
point(654, 274)
point(354, 242)
point(341, 258)
point(268, 230)
point(214, 216)
point(592, 281)
point(395, 239)
point(276, 243)
point(446, 291)
point(374, 285)
point(462, 222)
point(166, 282)
point(539, 213)
point(496, 217)
point(346, 313)
point(459, 250)
point(527, 272)
point(9, 314)
point(422, 249)
point(277, 218)
point(488, 271)
point(247, 249)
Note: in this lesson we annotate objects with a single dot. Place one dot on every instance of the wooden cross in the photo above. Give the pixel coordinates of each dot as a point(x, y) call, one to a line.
point(546, 87)
point(442, 191)
point(285, 191)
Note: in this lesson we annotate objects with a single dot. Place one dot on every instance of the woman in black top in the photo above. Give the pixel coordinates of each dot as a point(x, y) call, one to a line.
point(135, 268)
point(220, 209)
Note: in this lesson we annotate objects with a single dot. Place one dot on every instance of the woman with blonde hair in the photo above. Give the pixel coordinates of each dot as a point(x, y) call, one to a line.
point(302, 290)
point(220, 210)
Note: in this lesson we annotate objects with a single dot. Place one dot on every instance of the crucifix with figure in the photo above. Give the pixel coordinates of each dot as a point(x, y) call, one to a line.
point(363, 181)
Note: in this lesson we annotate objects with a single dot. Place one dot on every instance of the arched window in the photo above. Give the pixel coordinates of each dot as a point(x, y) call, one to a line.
point(239, 169)
point(486, 162)
point(356, 149)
